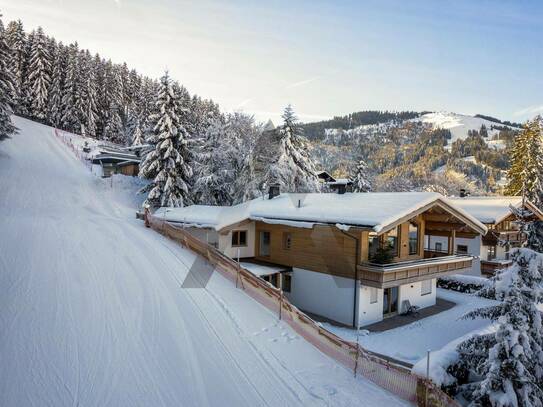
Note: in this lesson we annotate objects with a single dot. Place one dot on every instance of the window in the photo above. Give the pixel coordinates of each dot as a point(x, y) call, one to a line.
point(287, 240)
point(439, 247)
point(413, 238)
point(373, 295)
point(239, 238)
point(392, 241)
point(426, 287)
point(462, 249)
point(491, 252)
point(373, 243)
point(264, 247)
point(287, 282)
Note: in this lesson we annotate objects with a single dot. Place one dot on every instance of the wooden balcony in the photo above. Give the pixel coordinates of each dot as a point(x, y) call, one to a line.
point(395, 274)
point(489, 267)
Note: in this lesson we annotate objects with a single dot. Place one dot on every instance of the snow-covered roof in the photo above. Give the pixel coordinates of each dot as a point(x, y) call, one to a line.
point(378, 211)
point(488, 209)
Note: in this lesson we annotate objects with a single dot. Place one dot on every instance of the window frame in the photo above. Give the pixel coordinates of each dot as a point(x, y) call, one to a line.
point(236, 242)
point(395, 250)
point(458, 251)
point(422, 292)
point(372, 291)
point(417, 249)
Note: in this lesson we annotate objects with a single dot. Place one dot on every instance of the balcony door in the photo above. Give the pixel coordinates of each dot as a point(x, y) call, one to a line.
point(264, 246)
point(390, 301)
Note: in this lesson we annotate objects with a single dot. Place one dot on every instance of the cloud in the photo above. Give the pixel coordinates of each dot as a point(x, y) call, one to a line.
point(529, 110)
point(118, 3)
point(243, 103)
point(301, 83)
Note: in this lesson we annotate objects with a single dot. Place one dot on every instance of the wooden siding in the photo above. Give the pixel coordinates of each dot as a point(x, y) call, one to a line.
point(324, 248)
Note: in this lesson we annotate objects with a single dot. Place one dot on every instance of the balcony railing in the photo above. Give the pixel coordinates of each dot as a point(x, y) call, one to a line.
point(405, 272)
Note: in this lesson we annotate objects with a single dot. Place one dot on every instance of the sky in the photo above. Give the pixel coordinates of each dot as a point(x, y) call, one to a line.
point(325, 58)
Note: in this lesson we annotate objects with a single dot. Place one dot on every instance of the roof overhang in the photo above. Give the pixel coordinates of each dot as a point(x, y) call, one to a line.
point(457, 212)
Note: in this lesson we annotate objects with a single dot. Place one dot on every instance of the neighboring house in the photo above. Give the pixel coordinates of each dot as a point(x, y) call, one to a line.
point(503, 230)
point(329, 183)
point(116, 161)
point(353, 258)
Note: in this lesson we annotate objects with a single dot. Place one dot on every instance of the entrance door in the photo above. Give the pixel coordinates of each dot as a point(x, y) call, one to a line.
point(390, 301)
point(264, 249)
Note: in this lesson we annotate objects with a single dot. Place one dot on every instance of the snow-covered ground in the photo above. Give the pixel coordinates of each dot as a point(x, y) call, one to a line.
point(410, 343)
point(92, 312)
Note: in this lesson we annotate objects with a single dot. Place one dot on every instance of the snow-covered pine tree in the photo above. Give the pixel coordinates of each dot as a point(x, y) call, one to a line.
point(114, 129)
point(90, 98)
point(526, 172)
point(16, 40)
point(137, 137)
point(292, 167)
point(6, 88)
point(54, 106)
point(39, 74)
point(71, 101)
point(215, 173)
point(169, 164)
point(505, 369)
point(360, 177)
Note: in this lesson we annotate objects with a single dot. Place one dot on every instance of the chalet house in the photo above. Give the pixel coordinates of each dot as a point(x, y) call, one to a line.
point(116, 161)
point(354, 258)
point(503, 231)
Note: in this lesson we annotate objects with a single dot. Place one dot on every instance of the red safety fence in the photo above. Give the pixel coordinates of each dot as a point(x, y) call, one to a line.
point(66, 139)
point(394, 378)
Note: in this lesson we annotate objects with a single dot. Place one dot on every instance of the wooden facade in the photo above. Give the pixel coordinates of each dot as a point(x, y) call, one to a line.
point(327, 249)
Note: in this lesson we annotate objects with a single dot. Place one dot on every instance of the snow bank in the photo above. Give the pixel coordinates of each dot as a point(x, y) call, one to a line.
point(441, 359)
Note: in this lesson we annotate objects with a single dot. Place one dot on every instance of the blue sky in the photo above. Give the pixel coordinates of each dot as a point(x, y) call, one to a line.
point(326, 58)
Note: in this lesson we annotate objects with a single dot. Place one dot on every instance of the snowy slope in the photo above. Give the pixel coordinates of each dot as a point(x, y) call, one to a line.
point(92, 312)
point(460, 124)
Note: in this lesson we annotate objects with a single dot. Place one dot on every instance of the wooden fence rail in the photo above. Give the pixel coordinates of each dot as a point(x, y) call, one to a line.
point(394, 378)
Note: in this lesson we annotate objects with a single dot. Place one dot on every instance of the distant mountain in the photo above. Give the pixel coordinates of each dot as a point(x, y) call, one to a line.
point(417, 150)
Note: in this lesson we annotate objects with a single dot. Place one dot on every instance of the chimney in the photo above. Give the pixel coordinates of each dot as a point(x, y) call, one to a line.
point(274, 191)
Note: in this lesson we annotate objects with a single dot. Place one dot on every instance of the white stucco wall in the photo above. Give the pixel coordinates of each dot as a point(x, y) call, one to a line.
point(412, 292)
point(205, 235)
point(322, 294)
point(369, 313)
point(474, 248)
point(225, 243)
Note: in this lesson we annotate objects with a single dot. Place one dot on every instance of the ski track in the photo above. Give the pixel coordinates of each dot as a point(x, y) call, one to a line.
point(93, 313)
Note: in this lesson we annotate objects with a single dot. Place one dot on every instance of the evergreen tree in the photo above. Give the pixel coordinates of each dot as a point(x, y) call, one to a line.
point(6, 88)
point(169, 163)
point(215, 176)
point(54, 108)
point(361, 182)
point(71, 93)
point(137, 137)
point(114, 130)
point(91, 96)
point(39, 75)
point(526, 172)
point(16, 40)
point(290, 165)
point(506, 368)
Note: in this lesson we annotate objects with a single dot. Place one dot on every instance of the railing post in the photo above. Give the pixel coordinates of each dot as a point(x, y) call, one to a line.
point(280, 305)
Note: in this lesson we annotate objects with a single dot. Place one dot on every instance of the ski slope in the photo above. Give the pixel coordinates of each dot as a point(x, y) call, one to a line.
point(92, 312)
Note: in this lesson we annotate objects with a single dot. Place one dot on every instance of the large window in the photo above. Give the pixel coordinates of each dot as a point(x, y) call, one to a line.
point(413, 238)
point(239, 238)
point(287, 282)
point(491, 253)
point(373, 242)
point(392, 241)
point(426, 287)
point(439, 247)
